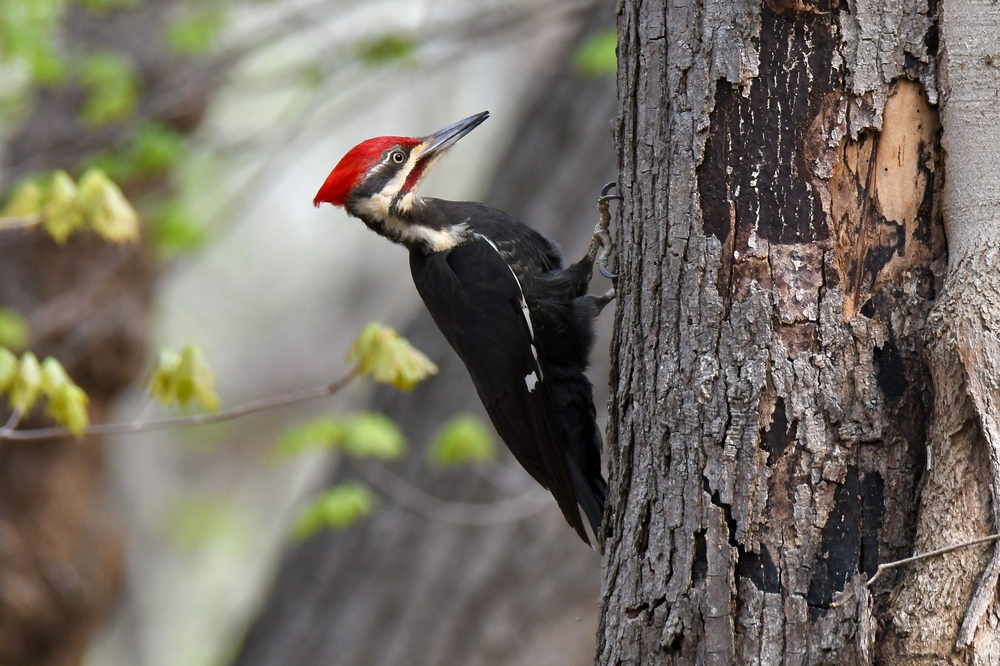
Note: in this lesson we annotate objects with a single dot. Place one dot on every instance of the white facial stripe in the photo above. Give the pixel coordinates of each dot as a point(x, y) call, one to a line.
point(393, 187)
point(406, 203)
point(436, 240)
point(397, 181)
point(530, 379)
point(379, 204)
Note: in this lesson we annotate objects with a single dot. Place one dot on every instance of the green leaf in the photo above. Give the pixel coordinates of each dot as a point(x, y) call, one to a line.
point(62, 210)
point(388, 48)
point(106, 208)
point(27, 29)
point(363, 435)
point(337, 508)
point(202, 377)
point(8, 368)
point(99, 6)
point(27, 385)
point(161, 384)
point(386, 357)
point(14, 331)
point(194, 34)
point(597, 55)
point(54, 377)
point(47, 66)
point(373, 435)
point(112, 88)
point(68, 406)
point(196, 380)
point(322, 433)
point(26, 381)
point(118, 167)
point(181, 378)
point(26, 201)
point(155, 149)
point(174, 231)
point(463, 439)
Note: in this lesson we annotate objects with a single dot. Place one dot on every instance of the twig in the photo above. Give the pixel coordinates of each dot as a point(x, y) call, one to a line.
point(456, 513)
point(933, 553)
point(182, 421)
point(980, 603)
point(10, 223)
point(15, 418)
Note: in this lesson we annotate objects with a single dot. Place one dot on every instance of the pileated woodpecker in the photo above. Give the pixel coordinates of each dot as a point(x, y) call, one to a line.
point(497, 289)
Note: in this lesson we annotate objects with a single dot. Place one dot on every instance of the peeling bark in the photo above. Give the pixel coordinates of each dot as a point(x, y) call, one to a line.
point(780, 247)
point(945, 609)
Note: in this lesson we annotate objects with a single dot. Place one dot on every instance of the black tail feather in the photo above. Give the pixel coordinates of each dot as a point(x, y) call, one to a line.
point(591, 495)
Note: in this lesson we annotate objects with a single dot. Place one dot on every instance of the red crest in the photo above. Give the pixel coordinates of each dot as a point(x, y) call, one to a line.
point(354, 165)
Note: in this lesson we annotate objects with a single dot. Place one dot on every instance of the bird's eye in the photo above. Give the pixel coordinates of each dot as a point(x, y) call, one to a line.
point(398, 157)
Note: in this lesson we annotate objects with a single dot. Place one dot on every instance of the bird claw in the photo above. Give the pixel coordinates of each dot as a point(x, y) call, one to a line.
point(601, 242)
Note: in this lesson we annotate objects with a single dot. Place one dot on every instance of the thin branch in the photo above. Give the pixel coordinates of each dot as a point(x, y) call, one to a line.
point(933, 553)
point(17, 223)
point(980, 603)
point(455, 513)
point(15, 418)
point(183, 421)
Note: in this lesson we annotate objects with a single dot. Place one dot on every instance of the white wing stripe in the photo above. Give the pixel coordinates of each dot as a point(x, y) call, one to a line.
point(530, 379)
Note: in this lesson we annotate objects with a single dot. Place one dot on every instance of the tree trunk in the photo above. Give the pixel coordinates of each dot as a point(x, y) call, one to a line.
point(402, 589)
point(780, 248)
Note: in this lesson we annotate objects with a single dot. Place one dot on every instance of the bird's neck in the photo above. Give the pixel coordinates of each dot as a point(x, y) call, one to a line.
point(410, 228)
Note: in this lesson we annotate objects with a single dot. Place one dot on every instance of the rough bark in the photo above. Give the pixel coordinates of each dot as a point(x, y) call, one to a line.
point(88, 305)
point(780, 247)
point(401, 589)
point(945, 609)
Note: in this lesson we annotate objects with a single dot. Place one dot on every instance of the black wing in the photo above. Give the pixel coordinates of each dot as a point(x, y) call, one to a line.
point(476, 301)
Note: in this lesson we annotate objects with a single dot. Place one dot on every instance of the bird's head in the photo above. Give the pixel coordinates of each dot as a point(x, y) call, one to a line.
point(379, 177)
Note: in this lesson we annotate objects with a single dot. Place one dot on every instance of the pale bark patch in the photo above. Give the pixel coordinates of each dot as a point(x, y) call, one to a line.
point(877, 206)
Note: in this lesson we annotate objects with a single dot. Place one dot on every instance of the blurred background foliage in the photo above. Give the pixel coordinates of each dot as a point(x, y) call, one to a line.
point(157, 162)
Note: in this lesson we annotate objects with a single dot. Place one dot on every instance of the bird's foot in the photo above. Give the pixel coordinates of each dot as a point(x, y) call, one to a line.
point(601, 245)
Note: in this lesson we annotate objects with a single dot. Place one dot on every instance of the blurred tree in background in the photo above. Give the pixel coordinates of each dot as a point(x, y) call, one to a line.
point(88, 83)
